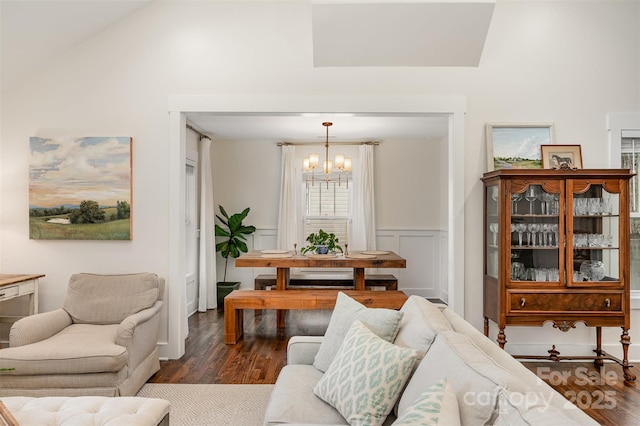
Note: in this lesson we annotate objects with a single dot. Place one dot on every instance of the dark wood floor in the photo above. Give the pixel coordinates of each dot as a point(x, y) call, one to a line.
point(260, 355)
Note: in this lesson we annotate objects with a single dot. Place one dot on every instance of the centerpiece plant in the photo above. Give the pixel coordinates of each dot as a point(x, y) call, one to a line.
point(321, 243)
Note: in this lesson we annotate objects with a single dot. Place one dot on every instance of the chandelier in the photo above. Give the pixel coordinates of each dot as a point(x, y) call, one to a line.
point(341, 164)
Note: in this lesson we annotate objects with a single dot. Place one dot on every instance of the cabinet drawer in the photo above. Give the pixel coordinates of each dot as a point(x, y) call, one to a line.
point(27, 287)
point(8, 292)
point(565, 302)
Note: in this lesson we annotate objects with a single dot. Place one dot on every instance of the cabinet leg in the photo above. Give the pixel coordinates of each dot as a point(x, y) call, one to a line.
point(626, 369)
point(502, 338)
point(598, 362)
point(486, 326)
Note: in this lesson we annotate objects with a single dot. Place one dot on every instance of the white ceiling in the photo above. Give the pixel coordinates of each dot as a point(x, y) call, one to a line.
point(33, 33)
point(395, 34)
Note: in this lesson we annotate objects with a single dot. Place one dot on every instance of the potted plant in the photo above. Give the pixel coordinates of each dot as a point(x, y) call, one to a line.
point(234, 233)
point(321, 243)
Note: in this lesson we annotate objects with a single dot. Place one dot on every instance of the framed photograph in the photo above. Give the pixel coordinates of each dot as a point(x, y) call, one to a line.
point(517, 146)
point(80, 188)
point(561, 156)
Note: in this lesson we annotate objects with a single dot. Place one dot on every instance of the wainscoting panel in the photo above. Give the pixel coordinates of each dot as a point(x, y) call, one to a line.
point(422, 249)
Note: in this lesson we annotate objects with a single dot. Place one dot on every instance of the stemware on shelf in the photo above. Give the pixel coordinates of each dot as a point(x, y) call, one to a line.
point(545, 228)
point(493, 227)
point(532, 194)
point(554, 229)
point(514, 200)
point(547, 199)
point(533, 229)
point(520, 228)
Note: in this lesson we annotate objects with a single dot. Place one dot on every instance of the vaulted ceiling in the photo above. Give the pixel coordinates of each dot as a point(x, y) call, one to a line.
point(353, 33)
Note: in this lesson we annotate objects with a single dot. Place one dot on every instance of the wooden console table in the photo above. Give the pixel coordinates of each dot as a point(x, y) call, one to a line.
point(18, 285)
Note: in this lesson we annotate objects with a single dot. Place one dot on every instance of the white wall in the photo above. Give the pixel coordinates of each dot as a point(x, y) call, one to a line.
point(247, 174)
point(565, 62)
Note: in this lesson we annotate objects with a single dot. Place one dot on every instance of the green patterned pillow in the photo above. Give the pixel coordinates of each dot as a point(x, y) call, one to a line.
point(437, 405)
point(383, 322)
point(366, 376)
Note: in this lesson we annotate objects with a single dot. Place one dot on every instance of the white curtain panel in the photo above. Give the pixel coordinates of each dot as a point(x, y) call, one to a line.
point(363, 225)
point(287, 212)
point(207, 295)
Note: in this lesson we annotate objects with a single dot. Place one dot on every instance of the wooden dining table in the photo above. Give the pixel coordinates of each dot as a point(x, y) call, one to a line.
point(283, 261)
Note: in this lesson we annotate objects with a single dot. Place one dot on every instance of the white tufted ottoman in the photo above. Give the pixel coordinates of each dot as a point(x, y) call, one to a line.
point(88, 410)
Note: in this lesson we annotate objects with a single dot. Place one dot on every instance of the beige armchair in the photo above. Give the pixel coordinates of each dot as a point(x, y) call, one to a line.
point(103, 341)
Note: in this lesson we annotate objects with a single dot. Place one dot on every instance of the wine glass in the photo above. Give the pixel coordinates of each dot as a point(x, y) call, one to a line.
point(532, 193)
point(533, 229)
point(554, 229)
point(545, 228)
point(514, 200)
point(546, 198)
point(493, 227)
point(520, 228)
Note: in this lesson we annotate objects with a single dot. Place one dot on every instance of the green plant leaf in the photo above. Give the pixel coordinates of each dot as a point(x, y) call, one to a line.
point(223, 211)
point(242, 246)
point(221, 232)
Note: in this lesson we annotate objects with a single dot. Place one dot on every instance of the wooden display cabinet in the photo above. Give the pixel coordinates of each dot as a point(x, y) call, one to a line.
point(556, 248)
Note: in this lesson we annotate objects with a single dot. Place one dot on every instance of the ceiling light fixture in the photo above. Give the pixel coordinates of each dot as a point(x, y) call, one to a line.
point(342, 164)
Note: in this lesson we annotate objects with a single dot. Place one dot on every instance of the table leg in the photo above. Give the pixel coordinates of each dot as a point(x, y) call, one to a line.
point(282, 283)
point(233, 325)
point(282, 278)
point(358, 278)
point(34, 300)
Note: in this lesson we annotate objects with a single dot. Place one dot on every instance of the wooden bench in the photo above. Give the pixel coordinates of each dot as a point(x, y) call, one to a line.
point(317, 280)
point(387, 281)
point(238, 300)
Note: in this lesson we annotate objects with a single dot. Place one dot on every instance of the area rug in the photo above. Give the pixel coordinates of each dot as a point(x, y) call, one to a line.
point(220, 405)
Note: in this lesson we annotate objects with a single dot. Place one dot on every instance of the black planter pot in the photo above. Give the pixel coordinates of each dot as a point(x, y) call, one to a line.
point(223, 289)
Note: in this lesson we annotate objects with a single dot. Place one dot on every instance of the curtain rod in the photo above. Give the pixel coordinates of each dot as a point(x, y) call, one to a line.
point(330, 143)
point(198, 132)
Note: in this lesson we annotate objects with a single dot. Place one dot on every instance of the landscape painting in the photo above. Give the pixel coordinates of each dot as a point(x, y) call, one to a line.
point(517, 146)
point(80, 188)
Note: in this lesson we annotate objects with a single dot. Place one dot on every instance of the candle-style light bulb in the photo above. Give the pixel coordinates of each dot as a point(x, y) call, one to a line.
point(313, 161)
point(347, 165)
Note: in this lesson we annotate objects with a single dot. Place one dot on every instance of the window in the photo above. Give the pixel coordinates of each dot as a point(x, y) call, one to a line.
point(630, 159)
point(327, 208)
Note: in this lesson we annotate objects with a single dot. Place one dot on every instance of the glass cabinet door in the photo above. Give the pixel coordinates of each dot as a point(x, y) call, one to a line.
point(594, 250)
point(537, 235)
point(492, 231)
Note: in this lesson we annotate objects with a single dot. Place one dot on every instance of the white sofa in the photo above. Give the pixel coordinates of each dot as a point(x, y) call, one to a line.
point(490, 386)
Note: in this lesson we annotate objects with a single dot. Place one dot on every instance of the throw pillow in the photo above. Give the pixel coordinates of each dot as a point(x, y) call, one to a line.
point(474, 376)
point(383, 322)
point(531, 408)
point(421, 321)
point(435, 406)
point(366, 377)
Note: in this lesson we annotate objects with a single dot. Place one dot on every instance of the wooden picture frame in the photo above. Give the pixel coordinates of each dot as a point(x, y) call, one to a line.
point(516, 145)
point(561, 156)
